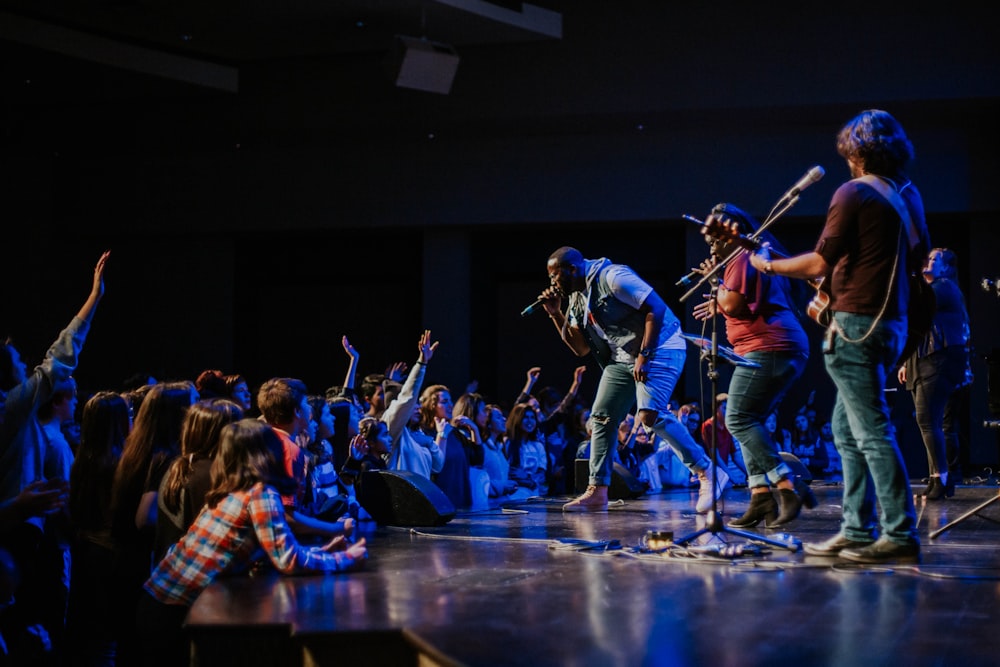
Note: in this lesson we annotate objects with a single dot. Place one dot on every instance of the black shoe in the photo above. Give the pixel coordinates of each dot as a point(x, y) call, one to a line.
point(762, 506)
point(790, 505)
point(935, 489)
point(833, 546)
point(883, 551)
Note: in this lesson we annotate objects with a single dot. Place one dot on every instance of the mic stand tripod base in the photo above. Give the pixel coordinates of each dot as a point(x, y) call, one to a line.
point(713, 525)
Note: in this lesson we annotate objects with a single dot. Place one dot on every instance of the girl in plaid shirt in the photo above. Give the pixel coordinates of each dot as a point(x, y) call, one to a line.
point(242, 523)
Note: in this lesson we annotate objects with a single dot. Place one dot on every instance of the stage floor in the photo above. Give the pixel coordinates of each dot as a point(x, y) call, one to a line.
point(530, 585)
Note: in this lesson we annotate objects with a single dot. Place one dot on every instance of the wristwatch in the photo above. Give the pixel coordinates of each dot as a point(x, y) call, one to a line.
point(768, 269)
point(648, 352)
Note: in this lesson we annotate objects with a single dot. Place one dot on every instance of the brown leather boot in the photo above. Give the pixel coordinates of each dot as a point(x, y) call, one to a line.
point(594, 499)
point(789, 504)
point(762, 507)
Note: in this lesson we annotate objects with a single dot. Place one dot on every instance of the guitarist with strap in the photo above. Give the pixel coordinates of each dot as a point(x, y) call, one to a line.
point(864, 249)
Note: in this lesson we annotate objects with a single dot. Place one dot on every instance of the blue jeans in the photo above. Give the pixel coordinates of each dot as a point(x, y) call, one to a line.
point(863, 432)
point(618, 391)
point(753, 394)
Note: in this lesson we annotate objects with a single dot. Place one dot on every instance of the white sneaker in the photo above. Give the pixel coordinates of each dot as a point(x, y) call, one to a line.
point(705, 495)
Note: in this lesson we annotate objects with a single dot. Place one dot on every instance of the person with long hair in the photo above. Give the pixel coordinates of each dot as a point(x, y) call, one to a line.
point(104, 426)
point(529, 462)
point(938, 368)
point(186, 482)
point(151, 445)
point(242, 522)
point(875, 236)
point(436, 410)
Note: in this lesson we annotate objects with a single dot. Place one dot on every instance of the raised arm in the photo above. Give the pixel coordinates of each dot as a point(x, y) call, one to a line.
point(572, 335)
point(96, 291)
point(352, 367)
point(397, 414)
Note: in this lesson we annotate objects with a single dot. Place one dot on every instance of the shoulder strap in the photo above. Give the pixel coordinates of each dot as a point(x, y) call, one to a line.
point(890, 195)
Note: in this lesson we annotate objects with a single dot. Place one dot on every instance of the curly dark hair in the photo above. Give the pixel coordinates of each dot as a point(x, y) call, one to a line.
point(876, 141)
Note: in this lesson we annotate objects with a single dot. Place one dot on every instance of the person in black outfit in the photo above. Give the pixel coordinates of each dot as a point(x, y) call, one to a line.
point(937, 370)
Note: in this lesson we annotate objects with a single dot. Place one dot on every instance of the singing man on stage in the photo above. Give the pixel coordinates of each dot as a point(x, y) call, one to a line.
point(637, 341)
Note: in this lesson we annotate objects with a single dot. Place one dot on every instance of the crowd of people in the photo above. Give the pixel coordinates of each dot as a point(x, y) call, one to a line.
point(114, 517)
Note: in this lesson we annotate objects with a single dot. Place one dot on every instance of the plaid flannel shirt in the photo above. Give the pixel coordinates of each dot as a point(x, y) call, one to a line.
point(227, 539)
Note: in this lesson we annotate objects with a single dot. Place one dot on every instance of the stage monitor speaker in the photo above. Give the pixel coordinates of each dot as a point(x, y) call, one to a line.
point(423, 65)
point(403, 498)
point(797, 466)
point(624, 485)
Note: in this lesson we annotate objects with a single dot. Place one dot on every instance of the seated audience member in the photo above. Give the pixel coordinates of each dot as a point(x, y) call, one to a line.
point(635, 448)
point(781, 438)
point(436, 421)
point(216, 384)
point(25, 458)
point(728, 453)
point(412, 449)
point(495, 453)
point(150, 446)
point(244, 521)
point(284, 405)
point(528, 458)
point(326, 497)
point(469, 418)
point(834, 471)
point(186, 482)
point(104, 425)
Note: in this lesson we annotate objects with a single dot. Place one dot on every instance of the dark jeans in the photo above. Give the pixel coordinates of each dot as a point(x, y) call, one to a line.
point(753, 395)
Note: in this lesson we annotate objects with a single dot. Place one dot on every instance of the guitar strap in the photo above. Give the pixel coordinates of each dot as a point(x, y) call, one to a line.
point(890, 195)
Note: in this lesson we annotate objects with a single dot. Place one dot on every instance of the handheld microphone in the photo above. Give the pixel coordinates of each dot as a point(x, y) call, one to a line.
point(536, 306)
point(808, 179)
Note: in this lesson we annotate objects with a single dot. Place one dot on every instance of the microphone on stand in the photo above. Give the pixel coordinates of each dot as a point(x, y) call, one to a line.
point(808, 179)
point(689, 279)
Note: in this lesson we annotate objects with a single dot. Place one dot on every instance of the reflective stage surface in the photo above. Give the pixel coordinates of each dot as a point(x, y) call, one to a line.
point(529, 585)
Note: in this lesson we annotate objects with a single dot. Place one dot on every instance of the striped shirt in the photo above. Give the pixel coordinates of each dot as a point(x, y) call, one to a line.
point(228, 539)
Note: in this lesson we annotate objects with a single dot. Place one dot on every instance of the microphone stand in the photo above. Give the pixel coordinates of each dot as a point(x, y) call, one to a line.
point(713, 523)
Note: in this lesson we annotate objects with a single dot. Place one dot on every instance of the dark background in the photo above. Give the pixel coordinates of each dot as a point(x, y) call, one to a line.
point(253, 224)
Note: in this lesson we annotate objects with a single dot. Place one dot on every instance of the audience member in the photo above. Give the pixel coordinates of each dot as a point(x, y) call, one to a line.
point(412, 449)
point(495, 460)
point(715, 431)
point(834, 471)
point(105, 425)
point(284, 405)
point(529, 462)
point(435, 420)
point(244, 520)
point(151, 445)
point(25, 458)
point(182, 491)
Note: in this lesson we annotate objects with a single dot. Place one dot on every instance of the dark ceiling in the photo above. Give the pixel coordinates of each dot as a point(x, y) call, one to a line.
point(202, 41)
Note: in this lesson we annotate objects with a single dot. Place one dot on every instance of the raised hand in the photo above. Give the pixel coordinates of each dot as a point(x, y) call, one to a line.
point(98, 287)
point(396, 372)
point(425, 346)
point(354, 354)
point(359, 447)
